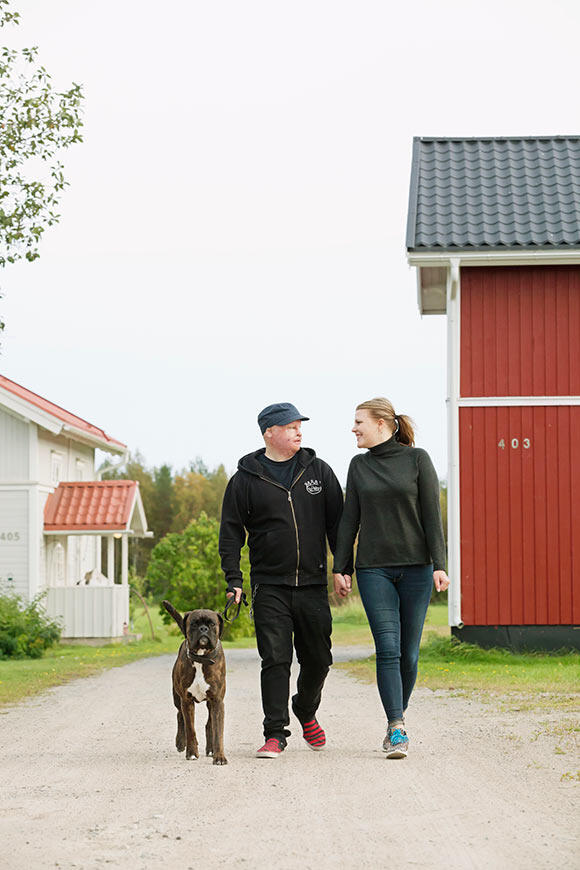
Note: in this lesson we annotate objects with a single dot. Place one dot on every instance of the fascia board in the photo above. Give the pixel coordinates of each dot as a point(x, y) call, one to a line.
point(54, 425)
point(495, 258)
point(93, 440)
point(138, 506)
point(29, 412)
point(103, 532)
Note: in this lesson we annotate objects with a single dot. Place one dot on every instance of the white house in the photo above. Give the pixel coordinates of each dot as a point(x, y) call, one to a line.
point(54, 513)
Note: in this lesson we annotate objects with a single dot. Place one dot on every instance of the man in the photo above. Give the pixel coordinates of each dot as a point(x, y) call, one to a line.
point(288, 502)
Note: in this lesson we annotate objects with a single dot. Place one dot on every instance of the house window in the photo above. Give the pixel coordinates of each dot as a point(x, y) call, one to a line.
point(80, 466)
point(56, 467)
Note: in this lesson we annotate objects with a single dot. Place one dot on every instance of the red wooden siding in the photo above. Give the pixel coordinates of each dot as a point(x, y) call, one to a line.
point(520, 515)
point(520, 329)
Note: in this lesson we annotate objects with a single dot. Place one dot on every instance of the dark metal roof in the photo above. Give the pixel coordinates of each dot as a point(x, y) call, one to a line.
point(494, 193)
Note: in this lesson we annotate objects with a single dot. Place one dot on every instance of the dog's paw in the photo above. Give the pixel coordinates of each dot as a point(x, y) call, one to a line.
point(220, 759)
point(191, 756)
point(180, 743)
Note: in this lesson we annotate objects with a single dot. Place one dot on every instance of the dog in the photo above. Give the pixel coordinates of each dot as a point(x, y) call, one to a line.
point(199, 674)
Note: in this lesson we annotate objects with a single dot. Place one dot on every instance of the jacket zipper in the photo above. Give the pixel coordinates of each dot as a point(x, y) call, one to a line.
point(289, 491)
point(295, 523)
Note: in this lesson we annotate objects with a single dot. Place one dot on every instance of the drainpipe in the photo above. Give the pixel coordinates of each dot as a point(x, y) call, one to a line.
point(453, 384)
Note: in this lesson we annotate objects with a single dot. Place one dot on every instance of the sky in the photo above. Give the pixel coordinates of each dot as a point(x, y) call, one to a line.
point(234, 230)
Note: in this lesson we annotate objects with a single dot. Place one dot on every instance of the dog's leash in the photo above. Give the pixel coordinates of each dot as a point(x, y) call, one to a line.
point(230, 602)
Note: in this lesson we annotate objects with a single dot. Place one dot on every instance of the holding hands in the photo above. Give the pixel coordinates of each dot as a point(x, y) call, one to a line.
point(342, 584)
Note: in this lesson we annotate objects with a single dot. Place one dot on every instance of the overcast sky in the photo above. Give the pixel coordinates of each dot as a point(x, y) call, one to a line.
point(234, 230)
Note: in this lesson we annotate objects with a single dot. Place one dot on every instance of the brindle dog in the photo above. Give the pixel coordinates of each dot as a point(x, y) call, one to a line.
point(199, 674)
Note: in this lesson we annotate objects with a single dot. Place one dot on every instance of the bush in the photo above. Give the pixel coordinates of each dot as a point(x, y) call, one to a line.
point(185, 569)
point(25, 629)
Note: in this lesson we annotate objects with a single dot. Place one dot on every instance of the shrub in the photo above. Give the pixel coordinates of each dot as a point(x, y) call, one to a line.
point(185, 569)
point(25, 629)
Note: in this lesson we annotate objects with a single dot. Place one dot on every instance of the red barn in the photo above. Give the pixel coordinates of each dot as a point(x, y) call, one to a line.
point(494, 231)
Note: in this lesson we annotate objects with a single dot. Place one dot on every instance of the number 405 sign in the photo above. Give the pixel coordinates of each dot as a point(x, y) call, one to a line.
point(515, 443)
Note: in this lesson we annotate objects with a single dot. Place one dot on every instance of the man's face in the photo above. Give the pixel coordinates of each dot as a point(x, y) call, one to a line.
point(285, 439)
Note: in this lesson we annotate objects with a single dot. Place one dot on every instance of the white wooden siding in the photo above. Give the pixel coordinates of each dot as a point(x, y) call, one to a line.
point(89, 611)
point(73, 455)
point(14, 555)
point(14, 448)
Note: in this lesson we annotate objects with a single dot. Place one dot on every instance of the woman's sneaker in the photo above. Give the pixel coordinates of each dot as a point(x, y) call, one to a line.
point(272, 748)
point(396, 743)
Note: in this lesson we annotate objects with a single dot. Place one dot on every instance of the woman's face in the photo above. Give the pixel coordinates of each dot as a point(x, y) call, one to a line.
point(369, 431)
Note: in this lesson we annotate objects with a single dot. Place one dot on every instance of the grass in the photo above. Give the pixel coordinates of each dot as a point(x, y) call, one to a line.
point(21, 678)
point(524, 680)
point(350, 625)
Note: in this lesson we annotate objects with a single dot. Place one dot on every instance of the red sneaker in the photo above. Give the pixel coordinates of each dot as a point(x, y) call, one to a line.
point(314, 735)
point(272, 748)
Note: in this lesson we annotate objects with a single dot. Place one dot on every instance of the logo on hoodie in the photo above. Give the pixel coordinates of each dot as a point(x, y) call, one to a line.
point(313, 487)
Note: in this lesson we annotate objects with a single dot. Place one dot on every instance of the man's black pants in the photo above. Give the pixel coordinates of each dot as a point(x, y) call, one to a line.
point(279, 613)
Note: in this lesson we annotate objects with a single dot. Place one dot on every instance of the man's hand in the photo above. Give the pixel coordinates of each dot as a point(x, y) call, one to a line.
point(441, 580)
point(237, 593)
point(342, 584)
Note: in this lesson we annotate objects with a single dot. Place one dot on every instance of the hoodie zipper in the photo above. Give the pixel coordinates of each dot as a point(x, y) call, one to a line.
point(289, 491)
point(295, 523)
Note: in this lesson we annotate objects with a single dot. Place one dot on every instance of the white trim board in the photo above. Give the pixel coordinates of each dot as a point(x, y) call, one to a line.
point(515, 401)
point(496, 258)
point(66, 533)
point(453, 294)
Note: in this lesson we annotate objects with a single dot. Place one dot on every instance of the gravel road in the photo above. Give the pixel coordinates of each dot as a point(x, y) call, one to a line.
point(90, 777)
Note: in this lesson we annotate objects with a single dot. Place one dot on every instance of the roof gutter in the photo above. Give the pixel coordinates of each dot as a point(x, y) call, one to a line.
point(94, 440)
point(495, 258)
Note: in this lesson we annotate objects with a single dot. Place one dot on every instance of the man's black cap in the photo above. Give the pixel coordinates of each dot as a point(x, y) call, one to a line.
point(279, 415)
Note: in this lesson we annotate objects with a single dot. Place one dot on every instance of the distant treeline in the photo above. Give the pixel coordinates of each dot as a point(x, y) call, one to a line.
point(172, 499)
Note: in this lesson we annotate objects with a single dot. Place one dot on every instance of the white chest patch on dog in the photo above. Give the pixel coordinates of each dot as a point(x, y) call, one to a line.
point(199, 687)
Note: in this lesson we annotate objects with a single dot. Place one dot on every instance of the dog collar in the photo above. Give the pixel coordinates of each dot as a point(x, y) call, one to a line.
point(205, 659)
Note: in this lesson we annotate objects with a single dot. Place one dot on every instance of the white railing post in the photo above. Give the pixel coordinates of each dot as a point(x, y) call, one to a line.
point(111, 559)
point(124, 560)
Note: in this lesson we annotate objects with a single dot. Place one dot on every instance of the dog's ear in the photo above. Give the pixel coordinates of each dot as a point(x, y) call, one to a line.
point(174, 613)
point(220, 624)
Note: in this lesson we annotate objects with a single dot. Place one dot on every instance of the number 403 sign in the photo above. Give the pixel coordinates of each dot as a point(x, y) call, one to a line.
point(515, 443)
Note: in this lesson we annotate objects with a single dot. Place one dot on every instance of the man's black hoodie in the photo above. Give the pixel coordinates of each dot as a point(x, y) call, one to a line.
point(286, 528)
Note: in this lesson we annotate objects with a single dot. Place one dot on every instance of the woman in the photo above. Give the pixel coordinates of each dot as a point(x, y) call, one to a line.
point(392, 502)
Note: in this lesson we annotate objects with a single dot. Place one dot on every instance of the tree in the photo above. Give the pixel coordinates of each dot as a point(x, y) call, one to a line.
point(36, 123)
point(198, 490)
point(161, 517)
point(185, 568)
point(170, 502)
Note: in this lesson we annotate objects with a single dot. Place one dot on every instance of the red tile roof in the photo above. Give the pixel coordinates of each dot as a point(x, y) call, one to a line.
point(94, 505)
point(56, 411)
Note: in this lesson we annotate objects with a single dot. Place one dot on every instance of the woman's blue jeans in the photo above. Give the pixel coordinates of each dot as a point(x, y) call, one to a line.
point(395, 600)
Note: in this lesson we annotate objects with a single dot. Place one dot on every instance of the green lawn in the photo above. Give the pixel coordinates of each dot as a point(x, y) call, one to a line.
point(523, 680)
point(20, 678)
point(350, 626)
point(445, 663)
